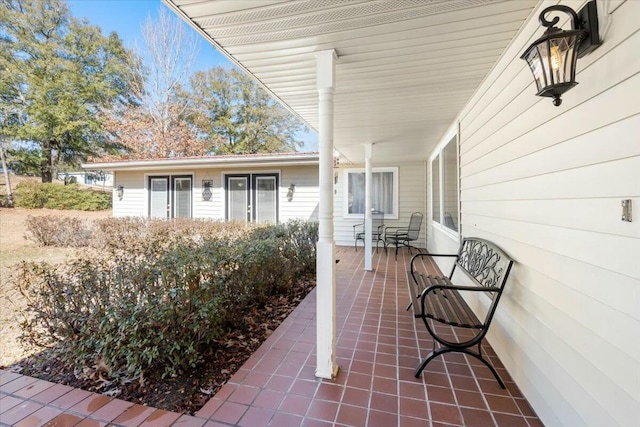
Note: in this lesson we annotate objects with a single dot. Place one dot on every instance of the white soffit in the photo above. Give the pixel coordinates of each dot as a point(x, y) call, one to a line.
point(405, 68)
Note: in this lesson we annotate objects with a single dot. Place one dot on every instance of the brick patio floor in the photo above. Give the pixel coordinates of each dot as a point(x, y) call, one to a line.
point(378, 348)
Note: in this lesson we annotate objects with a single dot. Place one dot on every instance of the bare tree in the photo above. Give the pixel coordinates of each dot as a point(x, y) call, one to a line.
point(171, 52)
point(159, 126)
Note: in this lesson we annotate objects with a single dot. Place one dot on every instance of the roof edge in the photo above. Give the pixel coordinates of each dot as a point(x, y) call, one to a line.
point(209, 161)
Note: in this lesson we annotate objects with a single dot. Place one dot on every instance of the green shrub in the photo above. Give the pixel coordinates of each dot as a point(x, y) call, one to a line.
point(34, 195)
point(30, 195)
point(255, 270)
point(134, 316)
point(155, 306)
point(302, 237)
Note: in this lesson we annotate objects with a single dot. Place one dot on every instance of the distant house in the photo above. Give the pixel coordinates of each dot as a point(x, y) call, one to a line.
point(260, 188)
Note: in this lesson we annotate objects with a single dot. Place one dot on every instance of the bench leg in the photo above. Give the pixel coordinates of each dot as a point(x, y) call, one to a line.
point(443, 350)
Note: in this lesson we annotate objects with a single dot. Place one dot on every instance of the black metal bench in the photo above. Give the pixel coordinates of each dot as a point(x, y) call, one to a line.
point(436, 298)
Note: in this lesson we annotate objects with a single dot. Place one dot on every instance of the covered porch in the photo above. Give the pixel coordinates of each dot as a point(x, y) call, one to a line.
point(387, 83)
point(379, 345)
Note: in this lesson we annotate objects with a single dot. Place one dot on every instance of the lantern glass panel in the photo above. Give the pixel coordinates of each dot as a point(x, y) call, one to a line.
point(562, 59)
point(535, 63)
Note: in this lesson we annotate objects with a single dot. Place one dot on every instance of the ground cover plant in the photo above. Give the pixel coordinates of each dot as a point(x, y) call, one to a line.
point(161, 312)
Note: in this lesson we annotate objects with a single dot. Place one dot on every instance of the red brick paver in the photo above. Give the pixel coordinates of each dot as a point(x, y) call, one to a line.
point(379, 345)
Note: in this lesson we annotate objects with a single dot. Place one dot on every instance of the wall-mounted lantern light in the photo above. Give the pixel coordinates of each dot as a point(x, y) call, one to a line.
point(120, 192)
point(552, 58)
point(207, 184)
point(292, 189)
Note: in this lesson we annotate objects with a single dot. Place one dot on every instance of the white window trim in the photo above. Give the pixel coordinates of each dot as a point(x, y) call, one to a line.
point(170, 173)
point(345, 191)
point(452, 132)
point(222, 193)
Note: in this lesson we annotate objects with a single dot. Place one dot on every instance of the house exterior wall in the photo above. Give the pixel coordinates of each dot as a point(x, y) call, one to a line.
point(134, 197)
point(411, 196)
point(303, 205)
point(545, 183)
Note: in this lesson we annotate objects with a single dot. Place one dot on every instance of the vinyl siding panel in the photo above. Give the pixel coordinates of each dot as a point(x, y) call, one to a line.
point(411, 198)
point(304, 204)
point(134, 199)
point(545, 183)
point(210, 209)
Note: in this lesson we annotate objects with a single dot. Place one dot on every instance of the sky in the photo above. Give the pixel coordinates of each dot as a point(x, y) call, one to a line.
point(126, 18)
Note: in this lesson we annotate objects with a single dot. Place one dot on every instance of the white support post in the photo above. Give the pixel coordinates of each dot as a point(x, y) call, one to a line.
point(326, 365)
point(368, 222)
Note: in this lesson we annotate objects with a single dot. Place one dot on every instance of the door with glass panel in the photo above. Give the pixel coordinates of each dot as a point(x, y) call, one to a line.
point(181, 196)
point(238, 201)
point(170, 196)
point(252, 197)
point(265, 200)
point(159, 197)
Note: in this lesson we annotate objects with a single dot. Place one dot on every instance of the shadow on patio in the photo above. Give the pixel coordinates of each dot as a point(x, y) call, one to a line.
point(379, 346)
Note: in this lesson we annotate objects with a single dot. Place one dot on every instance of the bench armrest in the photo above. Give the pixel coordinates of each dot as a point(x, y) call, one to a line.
point(422, 295)
point(416, 256)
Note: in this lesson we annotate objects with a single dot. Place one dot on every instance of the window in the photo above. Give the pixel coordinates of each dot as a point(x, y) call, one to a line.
point(384, 189)
point(450, 185)
point(435, 179)
point(170, 196)
point(252, 197)
point(444, 186)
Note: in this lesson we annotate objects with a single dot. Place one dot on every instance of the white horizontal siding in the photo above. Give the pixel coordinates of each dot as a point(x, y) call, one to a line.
point(411, 198)
point(304, 204)
point(213, 208)
point(134, 198)
point(545, 183)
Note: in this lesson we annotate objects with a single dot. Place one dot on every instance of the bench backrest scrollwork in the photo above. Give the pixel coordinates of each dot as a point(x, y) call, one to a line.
point(486, 264)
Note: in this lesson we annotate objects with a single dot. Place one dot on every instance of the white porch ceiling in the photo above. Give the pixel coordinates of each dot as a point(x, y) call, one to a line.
point(405, 68)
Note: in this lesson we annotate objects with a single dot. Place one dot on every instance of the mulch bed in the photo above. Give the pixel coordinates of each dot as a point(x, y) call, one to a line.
point(186, 393)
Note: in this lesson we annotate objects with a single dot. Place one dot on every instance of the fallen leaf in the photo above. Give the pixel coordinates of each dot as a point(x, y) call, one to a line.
point(113, 393)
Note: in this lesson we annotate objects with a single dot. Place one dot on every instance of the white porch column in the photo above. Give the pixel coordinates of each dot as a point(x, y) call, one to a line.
point(368, 222)
point(326, 366)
